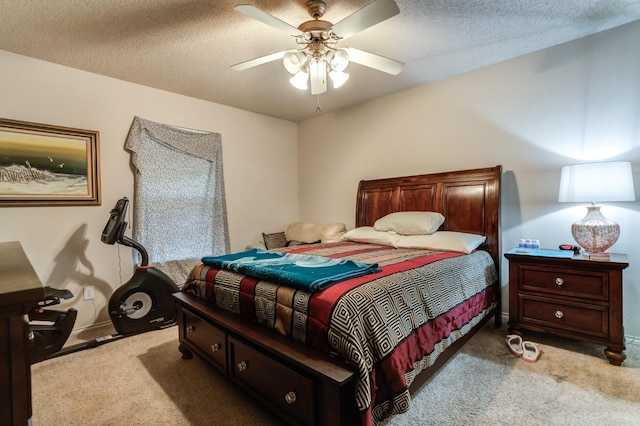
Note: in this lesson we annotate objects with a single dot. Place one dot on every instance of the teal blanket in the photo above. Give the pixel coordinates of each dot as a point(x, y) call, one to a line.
point(310, 273)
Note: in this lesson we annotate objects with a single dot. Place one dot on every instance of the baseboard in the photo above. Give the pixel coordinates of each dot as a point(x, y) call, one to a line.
point(90, 327)
point(90, 332)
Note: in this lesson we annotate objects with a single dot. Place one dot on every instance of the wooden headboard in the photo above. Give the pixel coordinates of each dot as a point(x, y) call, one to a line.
point(468, 199)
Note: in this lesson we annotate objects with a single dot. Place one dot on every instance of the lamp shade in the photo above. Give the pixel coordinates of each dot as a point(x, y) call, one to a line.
point(597, 182)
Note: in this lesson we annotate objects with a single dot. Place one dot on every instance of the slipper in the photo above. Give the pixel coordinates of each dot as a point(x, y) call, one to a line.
point(515, 344)
point(530, 351)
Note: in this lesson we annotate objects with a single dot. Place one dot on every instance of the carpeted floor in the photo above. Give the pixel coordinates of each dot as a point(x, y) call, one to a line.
point(142, 380)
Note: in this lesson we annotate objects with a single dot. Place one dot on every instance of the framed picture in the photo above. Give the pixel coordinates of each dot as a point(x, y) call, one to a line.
point(44, 165)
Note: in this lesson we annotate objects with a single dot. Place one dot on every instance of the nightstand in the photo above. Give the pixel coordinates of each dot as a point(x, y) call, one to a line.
point(574, 297)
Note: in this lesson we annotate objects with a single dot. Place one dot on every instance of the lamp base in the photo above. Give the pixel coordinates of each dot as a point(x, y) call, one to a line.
point(595, 233)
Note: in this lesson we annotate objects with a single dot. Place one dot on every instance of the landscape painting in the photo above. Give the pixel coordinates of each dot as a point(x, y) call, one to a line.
point(44, 165)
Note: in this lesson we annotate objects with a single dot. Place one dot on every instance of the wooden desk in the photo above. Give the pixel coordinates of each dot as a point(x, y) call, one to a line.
point(20, 290)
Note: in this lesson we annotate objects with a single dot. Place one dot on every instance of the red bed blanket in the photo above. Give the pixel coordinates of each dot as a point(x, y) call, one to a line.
point(390, 325)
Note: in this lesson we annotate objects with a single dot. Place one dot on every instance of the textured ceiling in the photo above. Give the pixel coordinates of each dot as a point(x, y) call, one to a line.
point(187, 46)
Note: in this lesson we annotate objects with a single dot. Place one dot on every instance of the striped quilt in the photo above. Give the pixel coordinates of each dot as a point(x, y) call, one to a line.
point(390, 325)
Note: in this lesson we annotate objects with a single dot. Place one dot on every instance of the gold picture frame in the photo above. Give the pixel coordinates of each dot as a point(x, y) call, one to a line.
point(46, 165)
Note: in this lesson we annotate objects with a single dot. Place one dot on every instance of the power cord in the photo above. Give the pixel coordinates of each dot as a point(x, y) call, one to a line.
point(119, 265)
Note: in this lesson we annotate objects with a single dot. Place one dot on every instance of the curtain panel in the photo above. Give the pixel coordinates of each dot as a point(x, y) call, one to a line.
point(179, 211)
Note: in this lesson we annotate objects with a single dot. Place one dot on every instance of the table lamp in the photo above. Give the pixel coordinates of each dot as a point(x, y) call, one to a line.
point(596, 182)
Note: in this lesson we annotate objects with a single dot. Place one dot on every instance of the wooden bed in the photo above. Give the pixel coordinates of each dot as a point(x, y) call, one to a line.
point(303, 385)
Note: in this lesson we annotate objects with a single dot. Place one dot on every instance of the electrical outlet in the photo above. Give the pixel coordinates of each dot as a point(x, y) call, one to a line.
point(88, 293)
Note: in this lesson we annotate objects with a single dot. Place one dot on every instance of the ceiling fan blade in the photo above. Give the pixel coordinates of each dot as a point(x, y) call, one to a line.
point(258, 61)
point(371, 60)
point(366, 17)
point(255, 13)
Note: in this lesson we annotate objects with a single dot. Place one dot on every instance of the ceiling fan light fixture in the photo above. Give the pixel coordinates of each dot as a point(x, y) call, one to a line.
point(299, 81)
point(294, 61)
point(317, 56)
point(338, 78)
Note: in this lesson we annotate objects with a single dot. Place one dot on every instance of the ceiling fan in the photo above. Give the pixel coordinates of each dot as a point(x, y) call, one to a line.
point(317, 54)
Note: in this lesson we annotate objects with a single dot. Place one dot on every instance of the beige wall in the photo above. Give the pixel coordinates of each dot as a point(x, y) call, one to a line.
point(260, 165)
point(533, 115)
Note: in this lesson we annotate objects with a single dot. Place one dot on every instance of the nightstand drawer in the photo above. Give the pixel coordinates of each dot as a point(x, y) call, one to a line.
point(591, 320)
point(592, 285)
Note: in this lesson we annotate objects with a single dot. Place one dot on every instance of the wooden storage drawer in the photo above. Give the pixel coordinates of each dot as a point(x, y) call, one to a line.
point(275, 383)
point(592, 320)
point(210, 340)
point(565, 282)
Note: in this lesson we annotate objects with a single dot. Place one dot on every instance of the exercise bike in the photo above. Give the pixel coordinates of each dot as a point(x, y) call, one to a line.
point(143, 303)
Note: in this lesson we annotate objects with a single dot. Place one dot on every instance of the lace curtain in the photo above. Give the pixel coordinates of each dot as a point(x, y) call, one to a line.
point(179, 212)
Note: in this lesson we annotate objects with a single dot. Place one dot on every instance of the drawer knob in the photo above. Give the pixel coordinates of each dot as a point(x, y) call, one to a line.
point(290, 397)
point(191, 328)
point(559, 314)
point(216, 347)
point(559, 281)
point(31, 336)
point(242, 365)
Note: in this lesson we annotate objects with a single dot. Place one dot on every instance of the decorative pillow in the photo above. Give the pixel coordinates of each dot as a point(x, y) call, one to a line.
point(443, 240)
point(332, 232)
point(410, 223)
point(275, 240)
point(366, 234)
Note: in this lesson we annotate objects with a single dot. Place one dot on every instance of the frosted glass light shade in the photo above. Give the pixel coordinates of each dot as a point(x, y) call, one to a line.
point(293, 62)
point(338, 78)
point(299, 81)
point(338, 60)
point(596, 182)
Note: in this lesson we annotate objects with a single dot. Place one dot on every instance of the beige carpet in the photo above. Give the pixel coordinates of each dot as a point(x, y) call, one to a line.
point(142, 380)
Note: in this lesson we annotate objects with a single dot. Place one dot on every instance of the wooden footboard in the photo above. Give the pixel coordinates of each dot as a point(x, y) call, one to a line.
point(299, 384)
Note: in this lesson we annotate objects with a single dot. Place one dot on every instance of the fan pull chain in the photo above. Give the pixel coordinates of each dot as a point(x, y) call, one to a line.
point(318, 109)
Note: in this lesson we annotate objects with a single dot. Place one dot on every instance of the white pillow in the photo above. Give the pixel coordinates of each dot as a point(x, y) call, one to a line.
point(366, 234)
point(443, 240)
point(410, 223)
